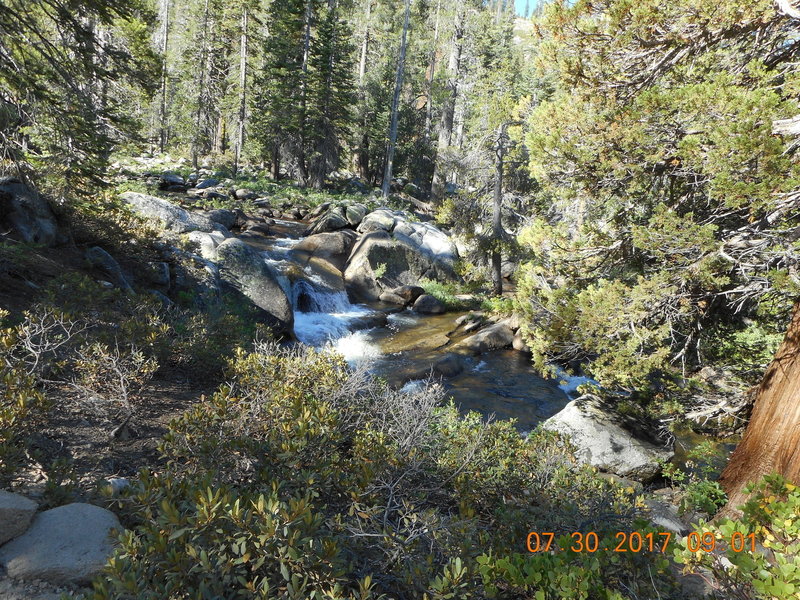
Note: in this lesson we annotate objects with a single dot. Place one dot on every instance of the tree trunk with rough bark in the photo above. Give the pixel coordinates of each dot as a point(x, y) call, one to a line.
point(162, 110)
point(242, 91)
point(771, 442)
point(398, 88)
point(449, 107)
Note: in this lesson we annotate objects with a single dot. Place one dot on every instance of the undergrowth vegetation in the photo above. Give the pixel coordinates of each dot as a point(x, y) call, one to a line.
point(302, 478)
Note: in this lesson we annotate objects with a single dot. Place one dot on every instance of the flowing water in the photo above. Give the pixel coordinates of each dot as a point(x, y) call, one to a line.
point(402, 347)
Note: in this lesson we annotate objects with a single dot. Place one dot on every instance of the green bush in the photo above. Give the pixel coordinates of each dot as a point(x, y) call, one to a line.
point(304, 478)
point(22, 405)
point(697, 481)
point(764, 566)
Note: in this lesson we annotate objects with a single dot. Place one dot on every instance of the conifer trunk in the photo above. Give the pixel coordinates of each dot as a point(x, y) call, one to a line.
point(497, 224)
point(242, 91)
point(771, 442)
point(201, 82)
point(162, 113)
point(431, 74)
point(398, 87)
point(449, 107)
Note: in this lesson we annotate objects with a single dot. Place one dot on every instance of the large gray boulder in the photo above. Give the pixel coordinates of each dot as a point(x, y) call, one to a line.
point(16, 513)
point(354, 213)
point(244, 269)
point(222, 216)
point(382, 219)
point(494, 337)
point(333, 247)
point(27, 214)
point(206, 243)
point(331, 220)
point(428, 305)
point(68, 544)
point(601, 440)
point(412, 251)
point(103, 261)
point(172, 217)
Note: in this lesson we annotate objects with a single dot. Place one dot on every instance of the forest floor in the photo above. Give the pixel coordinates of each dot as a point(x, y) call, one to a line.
point(77, 432)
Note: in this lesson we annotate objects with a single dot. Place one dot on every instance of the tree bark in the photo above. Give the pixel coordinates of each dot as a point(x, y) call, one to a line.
point(201, 76)
point(398, 87)
point(301, 153)
point(362, 63)
point(429, 79)
point(449, 107)
point(771, 442)
point(242, 91)
point(362, 151)
point(162, 115)
point(497, 208)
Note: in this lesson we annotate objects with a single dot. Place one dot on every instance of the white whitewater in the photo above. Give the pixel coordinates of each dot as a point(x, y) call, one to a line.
point(322, 316)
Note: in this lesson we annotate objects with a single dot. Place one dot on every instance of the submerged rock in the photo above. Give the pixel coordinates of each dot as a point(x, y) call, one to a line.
point(602, 441)
point(449, 365)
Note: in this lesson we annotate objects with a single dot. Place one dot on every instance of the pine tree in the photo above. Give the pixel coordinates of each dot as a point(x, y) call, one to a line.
point(65, 67)
point(279, 121)
point(330, 93)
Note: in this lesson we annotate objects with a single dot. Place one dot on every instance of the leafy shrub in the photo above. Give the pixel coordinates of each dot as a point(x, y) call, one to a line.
point(304, 478)
point(700, 490)
point(22, 406)
point(772, 570)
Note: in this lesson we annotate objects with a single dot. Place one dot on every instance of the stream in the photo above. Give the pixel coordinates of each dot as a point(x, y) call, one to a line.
point(402, 346)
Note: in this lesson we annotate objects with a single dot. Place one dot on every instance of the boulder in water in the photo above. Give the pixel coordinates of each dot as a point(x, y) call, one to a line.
point(222, 216)
point(601, 440)
point(494, 337)
point(428, 305)
point(392, 298)
point(245, 269)
point(333, 247)
point(332, 220)
point(519, 344)
point(399, 259)
point(409, 293)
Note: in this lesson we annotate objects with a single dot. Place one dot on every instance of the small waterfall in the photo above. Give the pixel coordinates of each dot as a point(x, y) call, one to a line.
point(321, 315)
point(311, 296)
point(324, 316)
